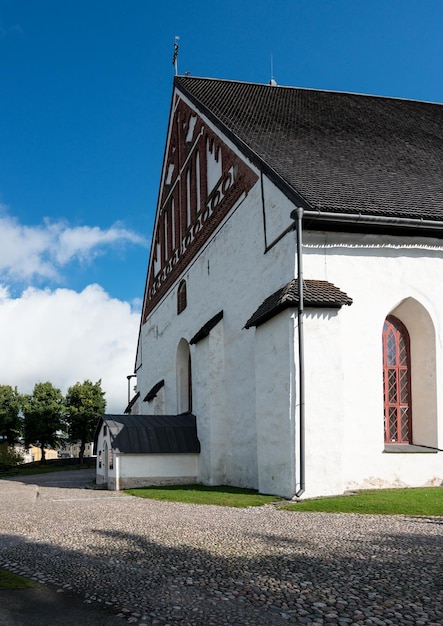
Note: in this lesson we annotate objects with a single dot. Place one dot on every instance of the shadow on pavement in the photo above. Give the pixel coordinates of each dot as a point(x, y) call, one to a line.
point(41, 606)
point(68, 479)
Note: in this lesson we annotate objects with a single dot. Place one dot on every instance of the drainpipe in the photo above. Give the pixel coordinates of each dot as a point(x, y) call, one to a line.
point(117, 471)
point(298, 215)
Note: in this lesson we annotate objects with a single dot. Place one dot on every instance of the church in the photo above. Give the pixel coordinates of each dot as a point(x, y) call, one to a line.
point(291, 337)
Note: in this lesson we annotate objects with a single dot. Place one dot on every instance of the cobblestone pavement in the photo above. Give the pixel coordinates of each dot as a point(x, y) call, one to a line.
point(163, 563)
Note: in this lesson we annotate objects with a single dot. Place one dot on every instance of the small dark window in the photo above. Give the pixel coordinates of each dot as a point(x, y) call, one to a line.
point(181, 297)
point(105, 431)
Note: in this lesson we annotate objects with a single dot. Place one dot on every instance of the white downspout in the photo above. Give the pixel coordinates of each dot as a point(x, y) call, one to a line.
point(117, 471)
point(301, 354)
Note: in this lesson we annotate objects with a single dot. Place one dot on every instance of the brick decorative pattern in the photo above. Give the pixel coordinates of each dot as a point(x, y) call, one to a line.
point(203, 179)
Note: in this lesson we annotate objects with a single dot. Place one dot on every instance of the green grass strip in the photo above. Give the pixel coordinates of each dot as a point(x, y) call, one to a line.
point(427, 501)
point(8, 580)
point(201, 494)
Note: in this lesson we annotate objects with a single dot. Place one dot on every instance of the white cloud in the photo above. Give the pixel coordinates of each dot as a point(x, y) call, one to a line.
point(23, 250)
point(63, 337)
point(84, 242)
point(29, 252)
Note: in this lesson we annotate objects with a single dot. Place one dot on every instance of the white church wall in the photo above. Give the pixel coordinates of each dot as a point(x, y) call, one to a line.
point(209, 391)
point(325, 397)
point(379, 273)
point(232, 273)
point(278, 404)
point(276, 382)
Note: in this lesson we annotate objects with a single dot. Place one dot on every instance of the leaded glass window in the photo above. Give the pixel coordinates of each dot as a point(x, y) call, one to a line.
point(396, 382)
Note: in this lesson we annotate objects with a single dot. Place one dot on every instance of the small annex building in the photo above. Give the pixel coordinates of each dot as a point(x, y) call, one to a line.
point(293, 299)
point(131, 447)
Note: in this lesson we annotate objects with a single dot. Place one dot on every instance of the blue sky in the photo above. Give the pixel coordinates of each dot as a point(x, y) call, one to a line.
point(85, 90)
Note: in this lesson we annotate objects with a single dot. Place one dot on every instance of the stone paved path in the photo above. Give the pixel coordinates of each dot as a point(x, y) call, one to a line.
point(163, 563)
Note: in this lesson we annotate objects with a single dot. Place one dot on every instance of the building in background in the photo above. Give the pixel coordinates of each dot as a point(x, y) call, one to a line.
point(34, 453)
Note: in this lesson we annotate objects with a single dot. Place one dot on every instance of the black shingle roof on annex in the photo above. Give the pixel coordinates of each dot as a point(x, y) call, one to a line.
point(151, 434)
point(316, 293)
point(334, 152)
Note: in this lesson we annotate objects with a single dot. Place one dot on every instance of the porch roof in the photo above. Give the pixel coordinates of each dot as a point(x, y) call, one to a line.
point(151, 434)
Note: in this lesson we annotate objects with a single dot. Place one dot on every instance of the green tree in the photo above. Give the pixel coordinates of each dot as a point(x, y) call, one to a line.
point(9, 456)
point(10, 417)
point(85, 404)
point(43, 412)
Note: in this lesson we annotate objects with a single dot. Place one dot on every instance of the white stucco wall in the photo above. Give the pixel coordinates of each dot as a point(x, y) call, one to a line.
point(276, 401)
point(379, 273)
point(142, 470)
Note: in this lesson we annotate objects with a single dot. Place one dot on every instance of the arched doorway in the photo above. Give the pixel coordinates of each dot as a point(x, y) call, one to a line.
point(105, 462)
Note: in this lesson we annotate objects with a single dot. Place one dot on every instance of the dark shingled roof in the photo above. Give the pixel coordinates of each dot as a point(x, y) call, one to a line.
point(206, 328)
point(144, 434)
point(132, 402)
point(154, 391)
point(316, 293)
point(330, 151)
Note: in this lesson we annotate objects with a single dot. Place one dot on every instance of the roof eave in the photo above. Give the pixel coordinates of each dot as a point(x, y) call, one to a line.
point(357, 222)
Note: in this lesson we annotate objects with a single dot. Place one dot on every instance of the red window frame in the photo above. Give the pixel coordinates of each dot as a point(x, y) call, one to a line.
point(397, 382)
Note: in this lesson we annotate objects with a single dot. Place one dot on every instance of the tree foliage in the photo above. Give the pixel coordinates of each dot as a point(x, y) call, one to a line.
point(85, 404)
point(9, 456)
point(10, 418)
point(43, 416)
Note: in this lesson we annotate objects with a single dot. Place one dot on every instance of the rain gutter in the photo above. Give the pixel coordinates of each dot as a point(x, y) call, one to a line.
point(365, 219)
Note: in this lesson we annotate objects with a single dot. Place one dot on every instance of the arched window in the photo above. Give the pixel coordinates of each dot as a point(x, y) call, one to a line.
point(184, 378)
point(397, 382)
point(181, 297)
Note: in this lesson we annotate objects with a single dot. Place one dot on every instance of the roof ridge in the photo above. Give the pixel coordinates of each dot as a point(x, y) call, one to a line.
point(306, 89)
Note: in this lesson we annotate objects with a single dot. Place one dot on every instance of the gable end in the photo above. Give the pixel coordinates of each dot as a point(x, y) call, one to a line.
point(202, 181)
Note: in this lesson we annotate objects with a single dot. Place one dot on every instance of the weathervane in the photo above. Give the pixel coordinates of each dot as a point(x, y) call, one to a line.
point(272, 81)
point(174, 58)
